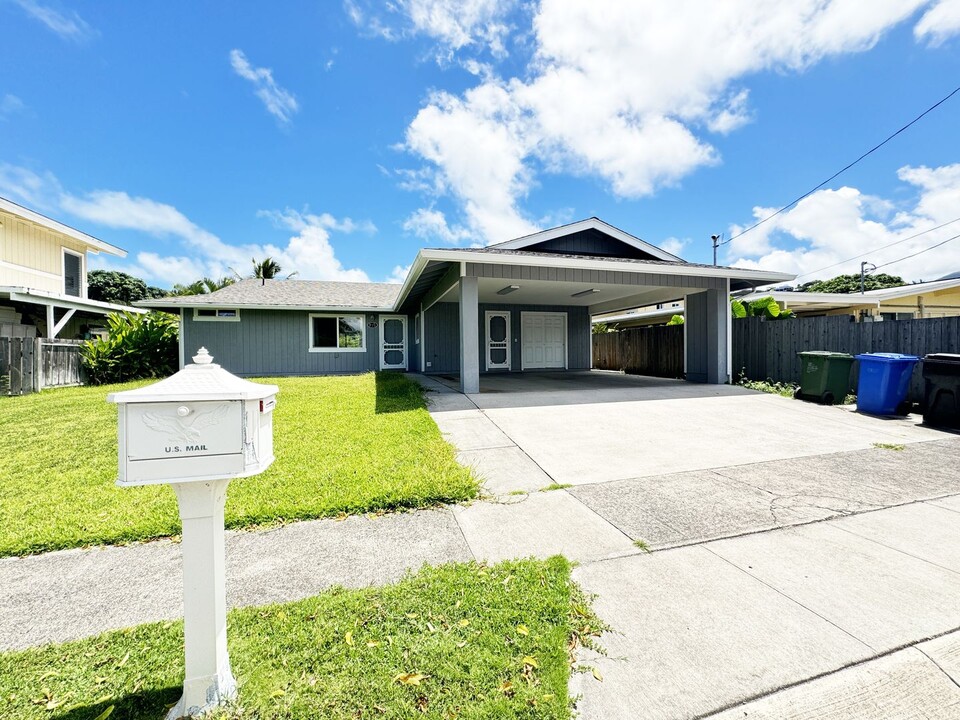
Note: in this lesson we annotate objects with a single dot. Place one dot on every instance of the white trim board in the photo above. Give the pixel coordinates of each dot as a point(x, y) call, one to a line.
point(36, 218)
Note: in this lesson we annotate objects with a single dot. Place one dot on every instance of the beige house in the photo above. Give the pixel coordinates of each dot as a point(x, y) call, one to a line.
point(43, 277)
point(940, 298)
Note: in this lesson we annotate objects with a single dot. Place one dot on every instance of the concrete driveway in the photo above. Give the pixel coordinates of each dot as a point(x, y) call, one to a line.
point(804, 558)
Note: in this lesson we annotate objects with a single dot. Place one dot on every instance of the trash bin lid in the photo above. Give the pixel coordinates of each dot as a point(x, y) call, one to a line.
point(824, 354)
point(943, 357)
point(888, 357)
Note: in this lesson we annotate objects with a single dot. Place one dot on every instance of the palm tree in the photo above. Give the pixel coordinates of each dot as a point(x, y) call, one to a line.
point(202, 286)
point(266, 269)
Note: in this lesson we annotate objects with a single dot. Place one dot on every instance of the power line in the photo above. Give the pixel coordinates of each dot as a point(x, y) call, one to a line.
point(847, 167)
point(882, 247)
point(920, 252)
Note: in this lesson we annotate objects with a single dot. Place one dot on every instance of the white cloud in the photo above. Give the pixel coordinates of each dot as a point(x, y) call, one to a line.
point(68, 25)
point(428, 224)
point(10, 105)
point(38, 191)
point(622, 91)
point(279, 102)
point(454, 24)
point(674, 246)
point(399, 274)
point(939, 22)
point(846, 226)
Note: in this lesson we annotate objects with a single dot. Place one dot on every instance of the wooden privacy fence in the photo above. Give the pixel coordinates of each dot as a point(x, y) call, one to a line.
point(768, 349)
point(31, 364)
point(656, 351)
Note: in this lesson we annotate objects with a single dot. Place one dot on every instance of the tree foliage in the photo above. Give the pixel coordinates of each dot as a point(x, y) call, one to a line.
point(202, 286)
point(851, 283)
point(139, 346)
point(676, 320)
point(121, 288)
point(765, 307)
point(266, 269)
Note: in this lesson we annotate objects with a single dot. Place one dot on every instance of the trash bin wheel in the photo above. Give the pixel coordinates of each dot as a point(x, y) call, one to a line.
point(904, 408)
point(826, 398)
point(797, 395)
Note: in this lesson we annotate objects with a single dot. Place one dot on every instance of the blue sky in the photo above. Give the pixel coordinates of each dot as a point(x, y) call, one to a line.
point(340, 137)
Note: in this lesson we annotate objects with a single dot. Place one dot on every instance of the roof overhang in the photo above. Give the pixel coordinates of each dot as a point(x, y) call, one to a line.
point(187, 303)
point(588, 224)
point(93, 244)
point(38, 297)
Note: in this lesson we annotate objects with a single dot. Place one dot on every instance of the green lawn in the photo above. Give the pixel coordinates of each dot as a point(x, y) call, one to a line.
point(455, 641)
point(343, 445)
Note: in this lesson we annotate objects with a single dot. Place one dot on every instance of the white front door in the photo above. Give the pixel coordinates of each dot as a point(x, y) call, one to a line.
point(544, 340)
point(498, 340)
point(393, 342)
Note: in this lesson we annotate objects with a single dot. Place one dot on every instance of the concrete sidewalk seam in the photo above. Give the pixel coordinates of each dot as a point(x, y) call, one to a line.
point(938, 666)
point(829, 673)
point(899, 550)
point(788, 597)
point(930, 501)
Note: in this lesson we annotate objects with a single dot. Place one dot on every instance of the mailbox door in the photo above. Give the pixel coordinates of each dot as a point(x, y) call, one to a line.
point(181, 430)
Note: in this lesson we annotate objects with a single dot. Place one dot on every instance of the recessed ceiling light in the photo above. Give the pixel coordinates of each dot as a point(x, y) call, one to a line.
point(591, 291)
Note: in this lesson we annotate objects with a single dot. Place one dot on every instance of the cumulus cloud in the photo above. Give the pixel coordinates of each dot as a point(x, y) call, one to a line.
point(279, 102)
point(830, 232)
point(623, 92)
point(428, 224)
point(68, 25)
point(398, 275)
point(455, 25)
point(193, 251)
point(10, 105)
point(939, 23)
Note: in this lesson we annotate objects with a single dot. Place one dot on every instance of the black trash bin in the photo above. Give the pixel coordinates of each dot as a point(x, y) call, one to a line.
point(941, 393)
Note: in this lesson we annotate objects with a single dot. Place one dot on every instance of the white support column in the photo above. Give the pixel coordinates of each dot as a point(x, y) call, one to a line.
point(469, 335)
point(51, 323)
point(208, 679)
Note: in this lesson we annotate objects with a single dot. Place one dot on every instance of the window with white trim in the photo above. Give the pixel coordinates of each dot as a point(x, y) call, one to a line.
point(337, 333)
point(216, 314)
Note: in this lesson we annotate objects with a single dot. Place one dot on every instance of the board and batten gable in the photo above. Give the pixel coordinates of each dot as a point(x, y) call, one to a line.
point(31, 256)
point(276, 343)
point(442, 349)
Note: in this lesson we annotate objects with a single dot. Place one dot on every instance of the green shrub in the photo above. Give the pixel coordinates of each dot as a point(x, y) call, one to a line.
point(139, 346)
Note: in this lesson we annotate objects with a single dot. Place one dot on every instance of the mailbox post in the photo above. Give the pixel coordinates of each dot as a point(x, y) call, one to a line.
point(195, 431)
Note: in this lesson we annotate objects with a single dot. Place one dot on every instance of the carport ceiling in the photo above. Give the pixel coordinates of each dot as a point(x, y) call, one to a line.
point(543, 292)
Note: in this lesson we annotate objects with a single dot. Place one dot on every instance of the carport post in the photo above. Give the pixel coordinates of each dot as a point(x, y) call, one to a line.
point(469, 335)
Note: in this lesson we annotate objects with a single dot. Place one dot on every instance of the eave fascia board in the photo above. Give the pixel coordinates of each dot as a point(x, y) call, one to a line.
point(758, 276)
point(419, 263)
point(93, 244)
point(38, 297)
point(588, 224)
point(261, 306)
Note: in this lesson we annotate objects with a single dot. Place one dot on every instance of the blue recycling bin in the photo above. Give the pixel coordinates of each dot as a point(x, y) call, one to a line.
point(884, 382)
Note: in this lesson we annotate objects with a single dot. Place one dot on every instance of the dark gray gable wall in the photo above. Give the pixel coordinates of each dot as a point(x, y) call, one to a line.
point(442, 349)
point(591, 242)
point(274, 342)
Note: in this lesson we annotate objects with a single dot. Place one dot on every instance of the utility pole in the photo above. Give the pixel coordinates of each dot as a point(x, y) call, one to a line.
point(716, 244)
point(863, 273)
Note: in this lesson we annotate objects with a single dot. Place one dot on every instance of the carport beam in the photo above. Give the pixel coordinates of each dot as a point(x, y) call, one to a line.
point(469, 335)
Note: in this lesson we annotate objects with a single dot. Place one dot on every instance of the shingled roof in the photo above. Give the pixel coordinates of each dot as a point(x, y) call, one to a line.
point(290, 294)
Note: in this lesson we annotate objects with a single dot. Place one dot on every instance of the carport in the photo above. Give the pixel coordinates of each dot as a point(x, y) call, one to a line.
point(525, 305)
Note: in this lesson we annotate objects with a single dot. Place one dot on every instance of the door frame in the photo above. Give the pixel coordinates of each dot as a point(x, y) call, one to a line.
point(486, 344)
point(566, 338)
point(406, 342)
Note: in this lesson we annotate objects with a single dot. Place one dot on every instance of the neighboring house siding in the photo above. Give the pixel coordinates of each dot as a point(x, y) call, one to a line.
point(32, 256)
point(275, 342)
point(612, 277)
point(442, 349)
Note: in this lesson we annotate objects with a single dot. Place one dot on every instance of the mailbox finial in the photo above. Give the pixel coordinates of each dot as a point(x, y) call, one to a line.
point(202, 357)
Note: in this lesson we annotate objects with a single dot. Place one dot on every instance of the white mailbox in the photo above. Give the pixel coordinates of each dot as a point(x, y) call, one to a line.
point(202, 423)
point(197, 430)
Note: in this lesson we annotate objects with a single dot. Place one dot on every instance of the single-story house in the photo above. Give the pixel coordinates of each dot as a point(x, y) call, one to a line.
point(519, 305)
point(940, 298)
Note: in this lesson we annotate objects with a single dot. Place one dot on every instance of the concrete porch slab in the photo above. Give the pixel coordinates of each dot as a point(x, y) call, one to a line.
point(904, 685)
point(692, 633)
point(540, 524)
point(881, 596)
point(470, 430)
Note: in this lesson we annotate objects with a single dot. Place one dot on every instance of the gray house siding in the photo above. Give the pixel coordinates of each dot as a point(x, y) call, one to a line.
point(442, 348)
point(695, 331)
point(274, 342)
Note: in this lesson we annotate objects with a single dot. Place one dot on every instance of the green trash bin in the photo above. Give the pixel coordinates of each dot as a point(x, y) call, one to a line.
point(824, 376)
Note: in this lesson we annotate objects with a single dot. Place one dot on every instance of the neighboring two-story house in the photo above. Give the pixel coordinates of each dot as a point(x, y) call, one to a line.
point(43, 277)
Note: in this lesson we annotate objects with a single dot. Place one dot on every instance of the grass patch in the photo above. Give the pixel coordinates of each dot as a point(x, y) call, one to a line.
point(642, 545)
point(343, 445)
point(556, 486)
point(488, 642)
point(889, 446)
point(767, 386)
